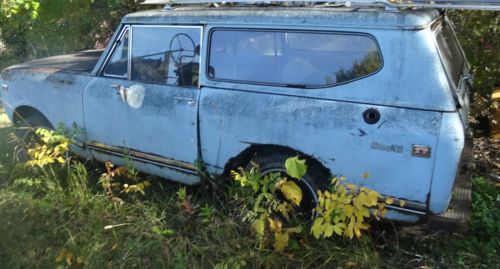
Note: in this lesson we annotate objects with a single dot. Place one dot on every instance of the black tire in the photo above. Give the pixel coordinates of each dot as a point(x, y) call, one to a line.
point(25, 131)
point(316, 177)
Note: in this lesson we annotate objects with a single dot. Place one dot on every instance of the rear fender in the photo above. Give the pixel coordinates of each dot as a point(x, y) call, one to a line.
point(449, 150)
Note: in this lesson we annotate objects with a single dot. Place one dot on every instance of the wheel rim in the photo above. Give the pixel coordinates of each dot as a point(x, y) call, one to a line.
point(308, 192)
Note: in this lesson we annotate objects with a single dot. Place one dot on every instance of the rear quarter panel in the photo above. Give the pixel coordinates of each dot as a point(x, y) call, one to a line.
point(373, 155)
point(448, 153)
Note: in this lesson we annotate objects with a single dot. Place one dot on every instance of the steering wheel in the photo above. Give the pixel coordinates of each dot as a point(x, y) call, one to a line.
point(182, 48)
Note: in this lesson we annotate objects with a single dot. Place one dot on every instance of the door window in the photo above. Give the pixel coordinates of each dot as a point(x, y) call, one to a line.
point(166, 55)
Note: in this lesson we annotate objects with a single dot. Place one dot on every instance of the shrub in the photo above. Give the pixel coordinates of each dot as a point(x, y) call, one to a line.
point(343, 209)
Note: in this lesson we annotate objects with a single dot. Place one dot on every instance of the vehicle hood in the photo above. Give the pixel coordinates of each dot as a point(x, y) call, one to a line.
point(80, 62)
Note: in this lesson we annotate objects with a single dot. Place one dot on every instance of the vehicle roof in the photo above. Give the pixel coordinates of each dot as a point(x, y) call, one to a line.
point(314, 15)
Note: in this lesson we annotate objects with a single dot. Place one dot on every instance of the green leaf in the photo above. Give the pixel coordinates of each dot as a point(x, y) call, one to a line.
point(156, 230)
point(281, 241)
point(259, 226)
point(296, 230)
point(317, 228)
point(328, 230)
point(168, 232)
point(295, 168)
point(339, 228)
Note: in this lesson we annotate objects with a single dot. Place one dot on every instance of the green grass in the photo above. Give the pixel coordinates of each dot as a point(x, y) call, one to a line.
point(156, 231)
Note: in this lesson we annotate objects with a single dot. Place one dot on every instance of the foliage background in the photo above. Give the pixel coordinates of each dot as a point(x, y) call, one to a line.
point(479, 35)
point(32, 29)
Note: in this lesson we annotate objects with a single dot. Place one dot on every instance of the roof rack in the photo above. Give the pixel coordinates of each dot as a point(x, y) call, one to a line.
point(491, 5)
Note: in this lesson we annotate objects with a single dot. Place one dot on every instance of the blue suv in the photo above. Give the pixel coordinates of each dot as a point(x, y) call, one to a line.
point(378, 95)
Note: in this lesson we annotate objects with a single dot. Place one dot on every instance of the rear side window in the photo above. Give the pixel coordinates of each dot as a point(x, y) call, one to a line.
point(291, 58)
point(450, 52)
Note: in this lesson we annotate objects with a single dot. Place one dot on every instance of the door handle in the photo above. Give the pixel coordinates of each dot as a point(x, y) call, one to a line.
point(121, 91)
point(189, 101)
point(118, 88)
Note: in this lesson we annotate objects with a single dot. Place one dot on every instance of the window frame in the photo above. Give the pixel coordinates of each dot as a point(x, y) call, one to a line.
point(112, 51)
point(454, 82)
point(283, 30)
point(130, 28)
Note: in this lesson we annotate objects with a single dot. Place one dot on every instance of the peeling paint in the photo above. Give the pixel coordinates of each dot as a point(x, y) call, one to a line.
point(135, 96)
point(382, 124)
point(360, 133)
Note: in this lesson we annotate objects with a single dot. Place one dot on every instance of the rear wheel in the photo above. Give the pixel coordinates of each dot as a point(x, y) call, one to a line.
point(316, 177)
point(26, 132)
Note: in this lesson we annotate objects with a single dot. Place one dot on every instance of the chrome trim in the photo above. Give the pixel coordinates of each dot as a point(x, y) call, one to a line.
point(166, 26)
point(405, 210)
point(77, 143)
point(203, 57)
point(415, 207)
point(129, 60)
point(113, 76)
point(190, 101)
point(143, 157)
point(466, 6)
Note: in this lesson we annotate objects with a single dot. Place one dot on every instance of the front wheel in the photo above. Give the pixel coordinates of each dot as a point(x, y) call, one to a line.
point(26, 132)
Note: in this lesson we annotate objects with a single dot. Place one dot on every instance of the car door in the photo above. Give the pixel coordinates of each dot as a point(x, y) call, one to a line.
point(148, 114)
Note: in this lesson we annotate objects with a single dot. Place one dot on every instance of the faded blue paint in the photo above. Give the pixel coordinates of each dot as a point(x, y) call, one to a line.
point(448, 151)
point(411, 92)
point(165, 124)
point(331, 131)
point(57, 95)
point(295, 17)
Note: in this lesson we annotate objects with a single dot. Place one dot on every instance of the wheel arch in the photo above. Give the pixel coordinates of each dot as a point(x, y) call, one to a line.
point(21, 113)
point(245, 156)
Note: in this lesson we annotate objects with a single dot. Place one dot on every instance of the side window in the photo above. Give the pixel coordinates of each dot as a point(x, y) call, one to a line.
point(450, 52)
point(118, 64)
point(291, 58)
point(166, 55)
